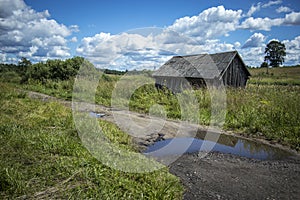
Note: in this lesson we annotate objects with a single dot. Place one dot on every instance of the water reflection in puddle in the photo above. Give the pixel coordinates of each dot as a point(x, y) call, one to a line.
point(225, 144)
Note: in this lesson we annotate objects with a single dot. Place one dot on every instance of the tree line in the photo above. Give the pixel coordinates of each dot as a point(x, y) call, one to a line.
point(57, 70)
point(51, 69)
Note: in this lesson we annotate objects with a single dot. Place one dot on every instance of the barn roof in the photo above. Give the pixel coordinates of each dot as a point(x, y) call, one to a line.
point(206, 66)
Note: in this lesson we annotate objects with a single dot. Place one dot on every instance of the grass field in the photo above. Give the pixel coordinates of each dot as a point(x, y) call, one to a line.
point(276, 76)
point(41, 157)
point(267, 108)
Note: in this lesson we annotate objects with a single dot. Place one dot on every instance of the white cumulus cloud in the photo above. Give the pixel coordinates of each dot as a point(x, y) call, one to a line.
point(26, 32)
point(261, 23)
point(9, 6)
point(134, 51)
point(292, 51)
point(256, 40)
point(213, 22)
point(292, 18)
point(253, 56)
point(103, 48)
point(187, 35)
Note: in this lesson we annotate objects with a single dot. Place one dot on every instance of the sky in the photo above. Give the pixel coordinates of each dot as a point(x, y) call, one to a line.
point(136, 34)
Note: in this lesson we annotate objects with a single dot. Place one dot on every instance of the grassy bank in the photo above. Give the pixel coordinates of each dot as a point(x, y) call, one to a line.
point(41, 157)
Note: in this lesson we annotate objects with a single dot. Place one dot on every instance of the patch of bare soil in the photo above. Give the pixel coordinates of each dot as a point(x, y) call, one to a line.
point(224, 176)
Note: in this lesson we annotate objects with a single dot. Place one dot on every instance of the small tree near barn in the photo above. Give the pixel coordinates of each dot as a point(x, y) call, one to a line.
point(275, 53)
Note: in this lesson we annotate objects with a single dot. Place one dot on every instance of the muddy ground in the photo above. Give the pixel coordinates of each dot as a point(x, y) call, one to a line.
point(215, 176)
point(224, 176)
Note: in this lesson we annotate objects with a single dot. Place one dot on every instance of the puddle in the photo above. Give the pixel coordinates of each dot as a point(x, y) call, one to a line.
point(226, 144)
point(97, 115)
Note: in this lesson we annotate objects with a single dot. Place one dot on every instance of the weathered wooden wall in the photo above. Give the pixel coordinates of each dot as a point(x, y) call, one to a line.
point(235, 75)
point(176, 84)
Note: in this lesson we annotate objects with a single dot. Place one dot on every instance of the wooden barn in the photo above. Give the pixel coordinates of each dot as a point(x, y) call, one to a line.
point(202, 69)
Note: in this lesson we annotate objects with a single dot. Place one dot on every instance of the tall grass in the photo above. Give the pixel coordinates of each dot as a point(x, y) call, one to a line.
point(41, 157)
point(269, 111)
point(268, 107)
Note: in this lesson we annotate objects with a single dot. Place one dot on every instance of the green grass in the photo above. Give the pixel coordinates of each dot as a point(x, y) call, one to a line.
point(269, 110)
point(268, 107)
point(291, 72)
point(41, 157)
point(61, 89)
point(275, 76)
point(266, 111)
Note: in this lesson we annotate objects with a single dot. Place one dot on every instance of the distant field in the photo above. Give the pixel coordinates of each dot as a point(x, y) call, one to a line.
point(278, 71)
point(277, 76)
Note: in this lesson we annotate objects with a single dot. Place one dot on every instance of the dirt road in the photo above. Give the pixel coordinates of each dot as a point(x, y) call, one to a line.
point(224, 176)
point(217, 175)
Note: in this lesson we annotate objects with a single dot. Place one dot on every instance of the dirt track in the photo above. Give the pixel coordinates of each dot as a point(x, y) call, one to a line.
point(217, 175)
point(223, 176)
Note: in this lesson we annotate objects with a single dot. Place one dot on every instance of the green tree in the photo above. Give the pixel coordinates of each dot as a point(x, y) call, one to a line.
point(23, 66)
point(39, 71)
point(24, 62)
point(275, 53)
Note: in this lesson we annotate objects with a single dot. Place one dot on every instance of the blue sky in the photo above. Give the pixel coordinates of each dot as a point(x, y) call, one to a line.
point(122, 34)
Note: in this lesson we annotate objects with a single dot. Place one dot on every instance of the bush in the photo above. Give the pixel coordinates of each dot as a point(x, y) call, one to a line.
point(10, 76)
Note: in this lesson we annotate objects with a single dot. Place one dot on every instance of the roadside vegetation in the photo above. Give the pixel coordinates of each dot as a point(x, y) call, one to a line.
point(268, 111)
point(41, 157)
